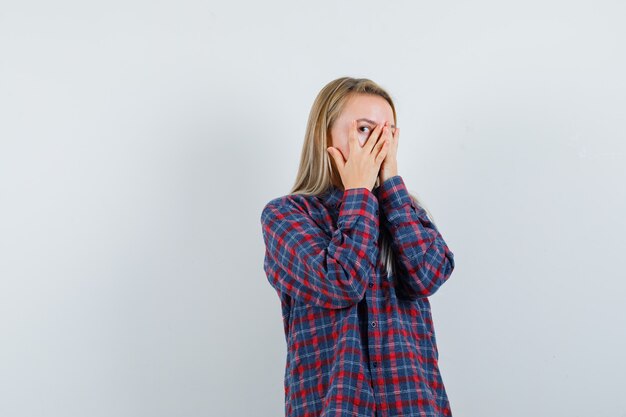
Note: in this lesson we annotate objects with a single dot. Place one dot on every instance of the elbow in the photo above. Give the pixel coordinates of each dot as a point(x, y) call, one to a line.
point(440, 274)
point(353, 286)
point(338, 301)
point(428, 275)
point(333, 285)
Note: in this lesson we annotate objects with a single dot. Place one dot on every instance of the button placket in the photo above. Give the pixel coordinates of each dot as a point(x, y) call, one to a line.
point(374, 331)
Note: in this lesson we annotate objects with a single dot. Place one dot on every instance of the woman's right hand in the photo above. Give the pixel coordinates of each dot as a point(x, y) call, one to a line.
point(361, 168)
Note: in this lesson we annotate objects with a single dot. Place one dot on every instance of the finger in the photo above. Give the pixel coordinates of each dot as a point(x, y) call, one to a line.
point(396, 138)
point(373, 138)
point(387, 132)
point(383, 152)
point(337, 157)
point(379, 144)
point(385, 136)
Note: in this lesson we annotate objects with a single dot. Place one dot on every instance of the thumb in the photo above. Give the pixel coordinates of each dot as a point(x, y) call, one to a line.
point(337, 156)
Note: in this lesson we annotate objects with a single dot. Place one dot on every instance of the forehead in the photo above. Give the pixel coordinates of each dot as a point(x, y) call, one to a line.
point(368, 106)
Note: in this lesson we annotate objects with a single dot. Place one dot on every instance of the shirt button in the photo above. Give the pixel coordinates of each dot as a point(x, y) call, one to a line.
point(375, 364)
point(371, 284)
point(376, 211)
point(373, 324)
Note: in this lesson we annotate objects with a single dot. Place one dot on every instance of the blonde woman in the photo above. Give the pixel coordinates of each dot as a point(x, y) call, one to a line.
point(354, 257)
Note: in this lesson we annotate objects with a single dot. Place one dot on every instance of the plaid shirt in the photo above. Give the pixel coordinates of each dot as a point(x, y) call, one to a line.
point(360, 342)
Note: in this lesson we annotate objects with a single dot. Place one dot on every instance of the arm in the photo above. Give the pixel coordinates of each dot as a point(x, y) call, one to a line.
point(423, 258)
point(328, 271)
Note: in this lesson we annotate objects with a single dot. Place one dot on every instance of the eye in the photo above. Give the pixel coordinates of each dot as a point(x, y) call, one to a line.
point(363, 127)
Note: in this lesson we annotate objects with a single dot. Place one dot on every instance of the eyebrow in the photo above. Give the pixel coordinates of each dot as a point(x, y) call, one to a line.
point(373, 123)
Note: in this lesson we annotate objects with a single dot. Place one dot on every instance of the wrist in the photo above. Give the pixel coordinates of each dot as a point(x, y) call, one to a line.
point(384, 176)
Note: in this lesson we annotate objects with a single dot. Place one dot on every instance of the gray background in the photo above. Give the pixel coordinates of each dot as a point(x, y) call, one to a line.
point(139, 142)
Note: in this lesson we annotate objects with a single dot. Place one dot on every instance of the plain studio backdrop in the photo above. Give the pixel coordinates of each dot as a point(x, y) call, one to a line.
point(139, 142)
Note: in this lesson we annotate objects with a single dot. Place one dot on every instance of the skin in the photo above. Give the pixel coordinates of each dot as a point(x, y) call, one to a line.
point(376, 109)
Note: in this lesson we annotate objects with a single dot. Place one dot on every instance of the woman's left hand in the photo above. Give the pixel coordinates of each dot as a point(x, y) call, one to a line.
point(389, 166)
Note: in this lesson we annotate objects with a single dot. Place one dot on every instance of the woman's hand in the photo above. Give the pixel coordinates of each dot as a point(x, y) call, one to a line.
point(389, 166)
point(363, 164)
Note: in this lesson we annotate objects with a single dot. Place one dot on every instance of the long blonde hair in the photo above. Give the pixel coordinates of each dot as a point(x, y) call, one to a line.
point(316, 171)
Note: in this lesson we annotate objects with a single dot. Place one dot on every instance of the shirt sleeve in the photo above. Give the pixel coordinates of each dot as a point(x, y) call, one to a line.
point(423, 259)
point(329, 271)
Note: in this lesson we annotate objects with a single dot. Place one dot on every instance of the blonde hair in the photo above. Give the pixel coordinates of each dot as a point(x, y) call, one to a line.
point(316, 171)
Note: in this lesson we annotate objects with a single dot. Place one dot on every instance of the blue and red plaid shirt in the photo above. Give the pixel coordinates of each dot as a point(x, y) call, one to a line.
point(360, 341)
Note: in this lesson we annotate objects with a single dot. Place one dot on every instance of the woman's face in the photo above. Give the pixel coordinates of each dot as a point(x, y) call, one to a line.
point(368, 110)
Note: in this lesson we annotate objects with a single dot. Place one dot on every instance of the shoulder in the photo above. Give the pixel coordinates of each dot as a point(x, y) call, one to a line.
point(291, 203)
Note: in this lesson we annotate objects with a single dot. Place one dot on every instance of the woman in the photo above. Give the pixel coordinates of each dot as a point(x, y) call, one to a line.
point(354, 257)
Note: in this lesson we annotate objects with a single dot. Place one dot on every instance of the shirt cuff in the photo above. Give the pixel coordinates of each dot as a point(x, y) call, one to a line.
point(361, 202)
point(393, 194)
